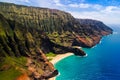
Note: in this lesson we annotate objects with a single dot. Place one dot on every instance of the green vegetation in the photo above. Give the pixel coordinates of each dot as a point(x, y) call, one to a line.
point(11, 67)
point(48, 20)
point(50, 54)
point(88, 39)
point(55, 23)
point(63, 39)
point(10, 74)
point(13, 61)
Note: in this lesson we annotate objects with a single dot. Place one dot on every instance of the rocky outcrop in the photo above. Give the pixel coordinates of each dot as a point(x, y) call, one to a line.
point(87, 41)
point(94, 30)
point(40, 67)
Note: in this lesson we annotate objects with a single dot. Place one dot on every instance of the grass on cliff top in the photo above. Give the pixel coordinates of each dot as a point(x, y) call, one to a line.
point(10, 67)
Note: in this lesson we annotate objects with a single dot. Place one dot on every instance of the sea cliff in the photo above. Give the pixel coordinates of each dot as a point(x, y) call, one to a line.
point(27, 34)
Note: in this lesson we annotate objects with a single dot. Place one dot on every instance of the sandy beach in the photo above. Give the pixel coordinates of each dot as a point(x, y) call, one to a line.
point(58, 58)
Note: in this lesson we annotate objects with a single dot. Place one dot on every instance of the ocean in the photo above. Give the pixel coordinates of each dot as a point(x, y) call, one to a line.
point(102, 62)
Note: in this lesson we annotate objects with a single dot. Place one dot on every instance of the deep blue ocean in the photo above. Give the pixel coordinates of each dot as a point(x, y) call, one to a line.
point(102, 62)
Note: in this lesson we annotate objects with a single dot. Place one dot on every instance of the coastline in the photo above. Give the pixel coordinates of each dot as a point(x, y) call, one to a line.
point(60, 57)
point(57, 59)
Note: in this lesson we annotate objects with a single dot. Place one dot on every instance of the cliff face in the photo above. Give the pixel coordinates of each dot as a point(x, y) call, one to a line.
point(57, 24)
point(61, 27)
point(20, 51)
point(27, 33)
point(94, 30)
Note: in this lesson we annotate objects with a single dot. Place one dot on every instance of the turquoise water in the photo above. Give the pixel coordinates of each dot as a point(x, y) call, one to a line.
point(102, 62)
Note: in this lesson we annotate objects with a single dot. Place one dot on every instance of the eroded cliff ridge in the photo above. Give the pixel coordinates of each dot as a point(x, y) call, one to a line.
point(94, 30)
point(61, 27)
point(21, 56)
point(28, 33)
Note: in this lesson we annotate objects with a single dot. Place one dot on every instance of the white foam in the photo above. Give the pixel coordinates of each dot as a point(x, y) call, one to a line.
point(58, 74)
point(94, 46)
point(85, 55)
point(100, 42)
point(115, 32)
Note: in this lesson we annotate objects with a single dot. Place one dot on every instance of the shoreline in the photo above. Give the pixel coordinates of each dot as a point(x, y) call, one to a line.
point(57, 59)
point(60, 57)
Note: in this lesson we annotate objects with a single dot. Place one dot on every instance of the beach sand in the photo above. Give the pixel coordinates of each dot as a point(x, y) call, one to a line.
point(58, 58)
